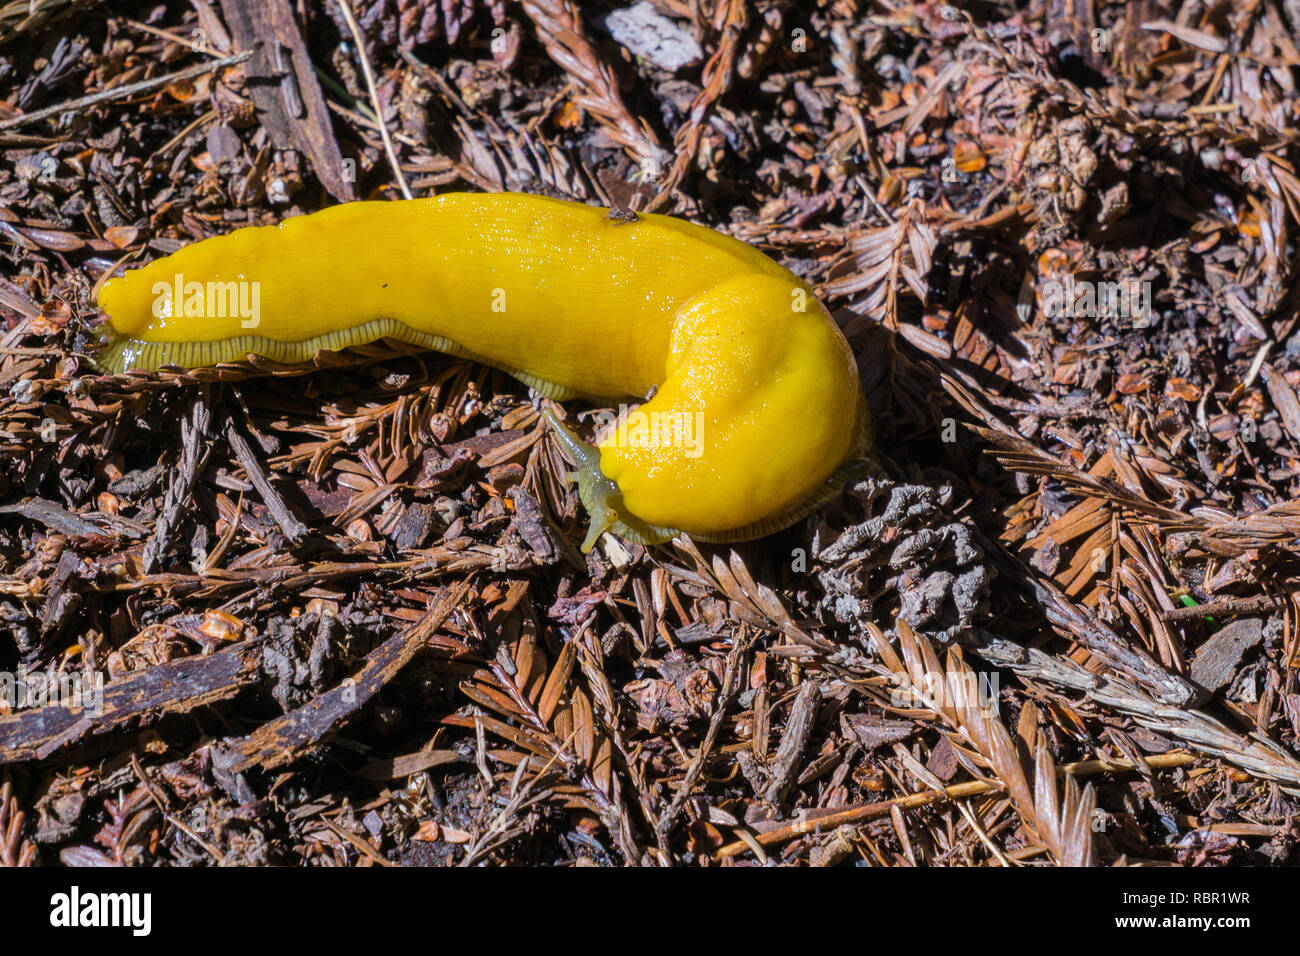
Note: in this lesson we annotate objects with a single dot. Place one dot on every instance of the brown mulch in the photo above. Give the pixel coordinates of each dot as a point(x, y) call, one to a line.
point(340, 611)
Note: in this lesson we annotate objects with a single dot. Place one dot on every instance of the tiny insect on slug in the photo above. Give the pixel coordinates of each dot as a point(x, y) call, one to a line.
point(757, 416)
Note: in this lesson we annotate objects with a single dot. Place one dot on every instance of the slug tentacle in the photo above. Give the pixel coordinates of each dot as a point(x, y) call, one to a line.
point(599, 495)
point(756, 416)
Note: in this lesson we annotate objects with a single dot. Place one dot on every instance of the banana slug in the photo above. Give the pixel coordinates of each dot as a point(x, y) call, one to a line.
point(756, 417)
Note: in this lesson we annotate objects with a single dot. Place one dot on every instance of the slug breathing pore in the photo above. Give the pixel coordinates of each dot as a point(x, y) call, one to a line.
point(757, 416)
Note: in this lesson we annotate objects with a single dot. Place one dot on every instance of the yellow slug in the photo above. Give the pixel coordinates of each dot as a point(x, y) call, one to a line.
point(757, 415)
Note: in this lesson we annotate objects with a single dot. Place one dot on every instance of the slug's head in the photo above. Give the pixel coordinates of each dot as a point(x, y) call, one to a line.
point(600, 495)
point(758, 414)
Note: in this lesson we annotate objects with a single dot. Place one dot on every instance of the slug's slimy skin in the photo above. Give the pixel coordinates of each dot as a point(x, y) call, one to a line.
point(757, 412)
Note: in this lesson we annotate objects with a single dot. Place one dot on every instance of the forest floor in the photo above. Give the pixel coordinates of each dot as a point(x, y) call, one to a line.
point(339, 612)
